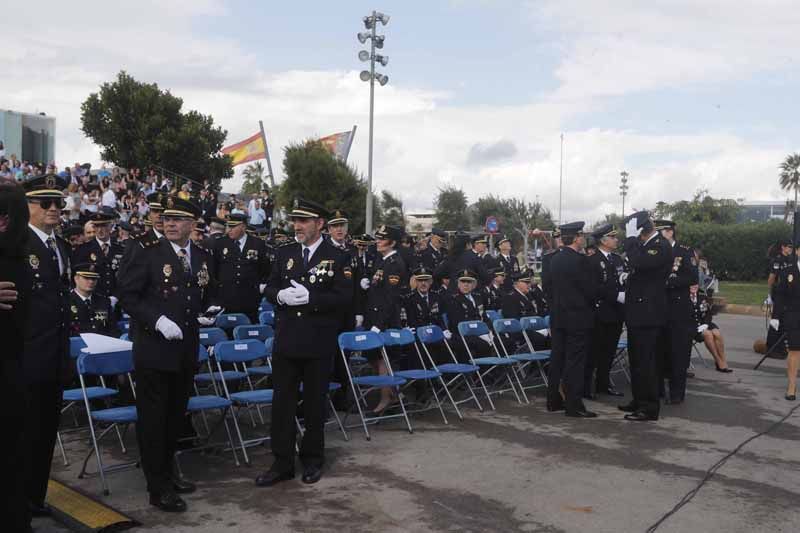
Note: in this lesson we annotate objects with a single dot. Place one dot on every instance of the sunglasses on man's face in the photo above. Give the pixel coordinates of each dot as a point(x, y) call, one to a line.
point(48, 203)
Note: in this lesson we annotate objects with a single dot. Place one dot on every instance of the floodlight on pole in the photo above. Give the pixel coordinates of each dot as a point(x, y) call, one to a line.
point(623, 189)
point(376, 41)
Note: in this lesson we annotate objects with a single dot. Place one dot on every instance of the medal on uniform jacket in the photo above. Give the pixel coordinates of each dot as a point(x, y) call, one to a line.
point(394, 279)
point(74, 309)
point(202, 276)
point(289, 264)
point(101, 316)
point(652, 252)
point(92, 257)
point(224, 251)
point(791, 278)
point(252, 254)
point(167, 270)
point(34, 261)
point(676, 264)
point(348, 273)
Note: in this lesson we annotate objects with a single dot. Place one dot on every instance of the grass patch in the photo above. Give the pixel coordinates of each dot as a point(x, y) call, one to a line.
point(743, 292)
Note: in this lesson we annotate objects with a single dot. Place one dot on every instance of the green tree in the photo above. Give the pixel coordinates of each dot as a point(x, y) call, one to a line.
point(492, 206)
point(451, 209)
point(137, 124)
point(313, 173)
point(790, 174)
point(702, 208)
point(527, 216)
point(253, 179)
point(392, 212)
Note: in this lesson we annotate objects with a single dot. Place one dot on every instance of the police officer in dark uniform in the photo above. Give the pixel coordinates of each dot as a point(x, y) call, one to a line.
point(242, 267)
point(680, 322)
point(649, 257)
point(365, 259)
point(506, 260)
point(572, 319)
point(518, 303)
point(463, 257)
point(308, 287)
point(494, 293)
point(466, 305)
point(606, 266)
point(90, 312)
point(166, 285)
point(546, 259)
point(423, 307)
point(385, 288)
point(73, 235)
point(104, 253)
point(46, 364)
point(435, 252)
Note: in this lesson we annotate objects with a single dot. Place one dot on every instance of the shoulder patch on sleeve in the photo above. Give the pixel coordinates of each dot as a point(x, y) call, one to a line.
point(653, 251)
point(394, 279)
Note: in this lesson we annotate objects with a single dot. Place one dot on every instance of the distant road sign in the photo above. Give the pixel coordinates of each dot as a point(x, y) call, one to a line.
point(492, 225)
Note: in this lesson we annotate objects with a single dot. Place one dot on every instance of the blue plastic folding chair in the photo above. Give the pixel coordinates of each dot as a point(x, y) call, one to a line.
point(209, 338)
point(260, 332)
point(362, 341)
point(488, 364)
point(107, 364)
point(509, 327)
point(433, 335)
point(493, 315)
point(265, 306)
point(243, 352)
point(228, 321)
point(124, 326)
point(403, 338)
point(267, 317)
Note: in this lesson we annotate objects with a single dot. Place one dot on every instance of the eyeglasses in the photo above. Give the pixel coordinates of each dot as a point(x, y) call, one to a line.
point(49, 202)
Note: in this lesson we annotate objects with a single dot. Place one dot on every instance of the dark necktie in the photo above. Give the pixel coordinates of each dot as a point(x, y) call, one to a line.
point(185, 261)
point(104, 248)
point(306, 253)
point(51, 244)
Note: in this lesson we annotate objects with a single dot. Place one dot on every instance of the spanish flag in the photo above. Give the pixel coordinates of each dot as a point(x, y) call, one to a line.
point(248, 150)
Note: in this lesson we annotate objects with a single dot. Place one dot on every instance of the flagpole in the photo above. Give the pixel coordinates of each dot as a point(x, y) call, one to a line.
point(266, 152)
point(350, 143)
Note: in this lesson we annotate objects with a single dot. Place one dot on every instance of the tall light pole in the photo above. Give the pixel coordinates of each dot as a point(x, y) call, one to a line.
point(376, 41)
point(560, 179)
point(623, 189)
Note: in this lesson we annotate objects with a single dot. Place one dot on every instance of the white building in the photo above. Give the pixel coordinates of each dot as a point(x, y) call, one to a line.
point(31, 137)
point(420, 222)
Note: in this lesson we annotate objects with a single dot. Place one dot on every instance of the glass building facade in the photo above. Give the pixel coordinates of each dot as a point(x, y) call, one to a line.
point(29, 136)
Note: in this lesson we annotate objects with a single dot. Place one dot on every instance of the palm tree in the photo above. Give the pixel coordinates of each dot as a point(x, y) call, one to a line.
point(790, 174)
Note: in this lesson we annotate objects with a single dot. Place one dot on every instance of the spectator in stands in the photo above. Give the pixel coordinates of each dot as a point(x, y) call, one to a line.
point(109, 198)
point(257, 215)
point(2, 149)
point(186, 192)
point(91, 199)
point(708, 332)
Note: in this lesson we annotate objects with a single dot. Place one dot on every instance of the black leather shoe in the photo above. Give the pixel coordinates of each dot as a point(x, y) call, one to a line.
point(38, 511)
point(628, 408)
point(791, 397)
point(182, 486)
point(271, 477)
point(553, 408)
point(588, 396)
point(311, 474)
point(614, 392)
point(583, 413)
point(168, 502)
point(640, 416)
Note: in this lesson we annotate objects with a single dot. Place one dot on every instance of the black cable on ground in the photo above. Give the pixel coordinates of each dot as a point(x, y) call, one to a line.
point(713, 470)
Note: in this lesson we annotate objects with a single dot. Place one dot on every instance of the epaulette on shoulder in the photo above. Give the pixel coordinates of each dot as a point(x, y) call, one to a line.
point(203, 248)
point(147, 242)
point(287, 243)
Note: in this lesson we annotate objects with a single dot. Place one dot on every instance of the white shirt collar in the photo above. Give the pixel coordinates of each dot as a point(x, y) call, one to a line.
point(313, 248)
point(242, 241)
point(188, 248)
point(653, 236)
point(158, 234)
point(42, 235)
point(390, 254)
point(101, 243)
point(605, 254)
point(81, 296)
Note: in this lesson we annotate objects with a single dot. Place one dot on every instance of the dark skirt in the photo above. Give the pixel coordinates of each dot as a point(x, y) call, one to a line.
point(698, 337)
point(791, 326)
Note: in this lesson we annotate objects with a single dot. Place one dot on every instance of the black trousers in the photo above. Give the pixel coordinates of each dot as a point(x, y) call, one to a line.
point(41, 425)
point(605, 337)
point(677, 353)
point(567, 359)
point(161, 400)
point(642, 351)
point(287, 374)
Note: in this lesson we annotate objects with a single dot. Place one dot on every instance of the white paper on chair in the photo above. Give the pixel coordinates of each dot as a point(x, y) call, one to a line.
point(102, 344)
point(545, 332)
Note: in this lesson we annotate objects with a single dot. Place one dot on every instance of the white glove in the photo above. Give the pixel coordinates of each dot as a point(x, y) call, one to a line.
point(487, 337)
point(286, 295)
point(775, 324)
point(701, 328)
point(114, 301)
point(375, 329)
point(768, 301)
point(168, 329)
point(630, 228)
point(623, 277)
point(412, 330)
point(261, 287)
point(301, 296)
point(359, 320)
point(364, 283)
point(213, 309)
point(447, 334)
point(206, 321)
point(621, 297)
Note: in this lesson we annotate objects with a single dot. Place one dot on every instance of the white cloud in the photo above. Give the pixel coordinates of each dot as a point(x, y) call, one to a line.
point(422, 140)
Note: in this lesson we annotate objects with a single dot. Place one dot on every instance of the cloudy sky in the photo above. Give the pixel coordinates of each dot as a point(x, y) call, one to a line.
point(681, 94)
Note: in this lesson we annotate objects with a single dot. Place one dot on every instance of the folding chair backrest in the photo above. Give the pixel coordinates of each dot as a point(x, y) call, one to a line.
point(231, 320)
point(533, 323)
point(211, 336)
point(547, 321)
point(430, 334)
point(267, 317)
point(124, 326)
point(202, 354)
point(240, 351)
point(397, 337)
point(493, 315)
point(472, 328)
point(268, 345)
point(260, 331)
point(75, 346)
point(354, 341)
point(265, 306)
point(507, 325)
point(124, 337)
point(105, 364)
